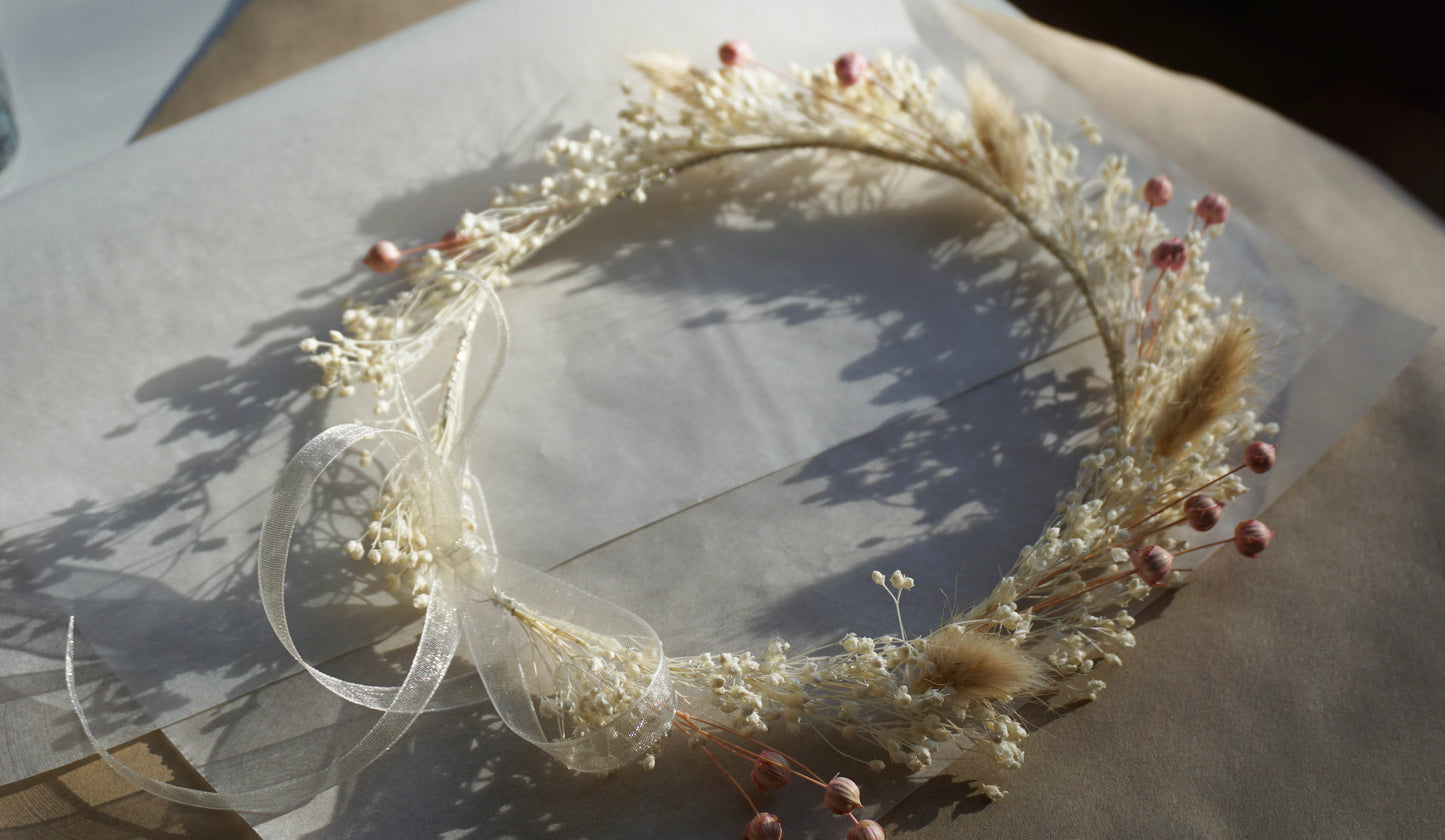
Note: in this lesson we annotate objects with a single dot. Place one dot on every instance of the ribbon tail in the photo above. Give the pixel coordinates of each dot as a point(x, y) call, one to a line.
point(440, 636)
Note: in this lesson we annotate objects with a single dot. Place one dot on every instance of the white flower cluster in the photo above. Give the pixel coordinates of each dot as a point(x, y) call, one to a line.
point(394, 538)
point(1180, 363)
point(879, 691)
point(581, 680)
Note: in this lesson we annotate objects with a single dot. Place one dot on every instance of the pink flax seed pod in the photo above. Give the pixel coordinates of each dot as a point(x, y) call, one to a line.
point(1158, 191)
point(866, 830)
point(1252, 537)
point(1152, 563)
point(735, 53)
point(382, 257)
point(849, 68)
point(1213, 209)
point(1259, 456)
point(1169, 255)
point(1203, 511)
point(764, 826)
point(841, 795)
point(770, 770)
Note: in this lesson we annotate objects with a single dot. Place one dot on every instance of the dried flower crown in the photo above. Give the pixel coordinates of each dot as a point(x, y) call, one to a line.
point(595, 688)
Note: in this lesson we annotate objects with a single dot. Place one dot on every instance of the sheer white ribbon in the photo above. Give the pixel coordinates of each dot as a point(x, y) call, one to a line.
point(475, 595)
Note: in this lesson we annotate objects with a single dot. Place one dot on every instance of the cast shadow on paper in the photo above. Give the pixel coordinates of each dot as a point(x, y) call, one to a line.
point(945, 464)
point(768, 208)
point(108, 561)
point(981, 463)
point(252, 406)
point(465, 775)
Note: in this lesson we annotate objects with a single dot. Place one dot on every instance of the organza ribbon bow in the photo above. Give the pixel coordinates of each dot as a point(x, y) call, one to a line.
point(527, 633)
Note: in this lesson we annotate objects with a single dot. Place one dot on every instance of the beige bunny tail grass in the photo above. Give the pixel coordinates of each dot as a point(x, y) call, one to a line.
point(666, 70)
point(1217, 383)
point(979, 666)
point(999, 130)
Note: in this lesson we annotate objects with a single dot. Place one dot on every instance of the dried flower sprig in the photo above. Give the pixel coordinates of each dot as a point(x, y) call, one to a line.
point(1183, 367)
point(771, 771)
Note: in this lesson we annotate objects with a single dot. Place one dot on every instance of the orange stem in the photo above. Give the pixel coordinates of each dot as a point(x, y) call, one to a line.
point(718, 765)
point(806, 772)
point(1059, 599)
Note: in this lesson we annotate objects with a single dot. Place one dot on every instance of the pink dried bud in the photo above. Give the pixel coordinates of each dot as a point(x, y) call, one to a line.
point(841, 795)
point(1203, 512)
point(849, 68)
point(866, 830)
point(770, 771)
point(382, 257)
point(1259, 456)
point(451, 239)
point(764, 826)
point(1152, 563)
point(1251, 537)
point(1158, 191)
point(1169, 255)
point(1213, 209)
point(735, 53)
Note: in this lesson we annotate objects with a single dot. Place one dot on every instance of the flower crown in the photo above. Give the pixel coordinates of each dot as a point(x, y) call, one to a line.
point(588, 681)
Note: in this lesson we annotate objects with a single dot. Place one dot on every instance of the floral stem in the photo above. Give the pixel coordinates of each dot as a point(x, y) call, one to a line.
point(806, 772)
point(723, 770)
point(1179, 499)
point(1059, 599)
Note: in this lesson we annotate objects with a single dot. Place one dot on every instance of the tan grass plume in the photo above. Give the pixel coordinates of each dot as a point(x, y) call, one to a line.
point(669, 71)
point(1219, 381)
point(978, 666)
point(999, 130)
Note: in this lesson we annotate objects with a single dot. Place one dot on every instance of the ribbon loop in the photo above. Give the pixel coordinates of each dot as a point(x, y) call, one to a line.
point(293, 488)
point(595, 672)
point(580, 677)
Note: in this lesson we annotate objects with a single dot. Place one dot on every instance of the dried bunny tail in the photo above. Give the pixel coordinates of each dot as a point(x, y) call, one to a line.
point(668, 71)
point(978, 666)
point(1000, 132)
point(1219, 382)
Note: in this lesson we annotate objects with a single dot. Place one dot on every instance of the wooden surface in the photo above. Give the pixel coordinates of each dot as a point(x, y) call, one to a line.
point(269, 40)
point(88, 800)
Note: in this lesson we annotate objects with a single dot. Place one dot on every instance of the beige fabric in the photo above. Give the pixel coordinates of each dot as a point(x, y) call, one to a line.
point(1297, 695)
